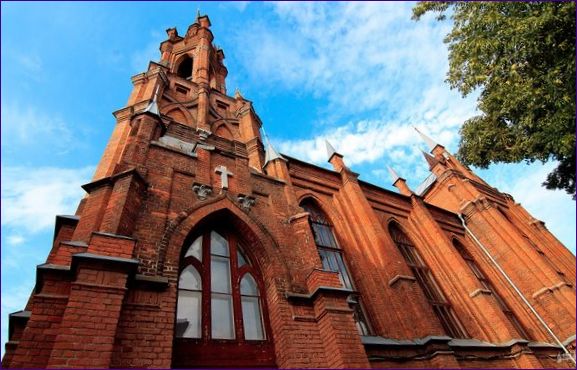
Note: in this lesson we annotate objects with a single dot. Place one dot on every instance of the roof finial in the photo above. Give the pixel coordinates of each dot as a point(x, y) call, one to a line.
point(330, 149)
point(400, 183)
point(430, 142)
point(197, 12)
point(271, 153)
point(393, 174)
point(432, 161)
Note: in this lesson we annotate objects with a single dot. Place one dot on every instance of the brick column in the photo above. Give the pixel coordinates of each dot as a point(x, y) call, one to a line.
point(338, 332)
point(34, 344)
point(88, 328)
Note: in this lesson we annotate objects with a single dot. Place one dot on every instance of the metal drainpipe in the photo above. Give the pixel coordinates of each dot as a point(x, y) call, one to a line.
point(517, 290)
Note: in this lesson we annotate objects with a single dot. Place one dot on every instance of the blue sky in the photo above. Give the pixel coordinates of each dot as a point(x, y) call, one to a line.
point(358, 74)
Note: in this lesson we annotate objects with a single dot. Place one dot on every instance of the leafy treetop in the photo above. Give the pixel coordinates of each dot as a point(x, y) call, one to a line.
point(521, 57)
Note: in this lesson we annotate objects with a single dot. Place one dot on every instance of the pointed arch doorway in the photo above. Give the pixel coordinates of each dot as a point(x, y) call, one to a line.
point(221, 315)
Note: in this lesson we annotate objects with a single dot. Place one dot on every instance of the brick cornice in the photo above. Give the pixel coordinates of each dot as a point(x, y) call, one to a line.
point(476, 205)
point(110, 180)
point(321, 290)
point(128, 265)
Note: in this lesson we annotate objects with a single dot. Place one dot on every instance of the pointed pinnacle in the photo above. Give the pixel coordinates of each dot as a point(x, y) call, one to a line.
point(394, 175)
point(153, 106)
point(330, 149)
point(432, 161)
point(272, 154)
point(430, 142)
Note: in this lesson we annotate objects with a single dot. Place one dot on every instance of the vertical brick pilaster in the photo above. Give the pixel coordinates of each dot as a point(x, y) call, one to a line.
point(338, 332)
point(93, 210)
point(87, 333)
point(335, 321)
point(124, 204)
point(36, 340)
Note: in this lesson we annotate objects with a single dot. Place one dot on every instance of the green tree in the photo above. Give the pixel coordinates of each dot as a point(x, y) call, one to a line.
point(521, 57)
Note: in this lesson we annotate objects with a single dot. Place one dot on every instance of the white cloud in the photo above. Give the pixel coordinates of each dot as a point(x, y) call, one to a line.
point(140, 58)
point(32, 197)
point(238, 5)
point(30, 62)
point(26, 126)
point(368, 60)
point(360, 56)
point(15, 239)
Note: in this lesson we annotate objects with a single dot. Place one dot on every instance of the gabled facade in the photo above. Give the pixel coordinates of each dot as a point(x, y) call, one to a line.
point(196, 247)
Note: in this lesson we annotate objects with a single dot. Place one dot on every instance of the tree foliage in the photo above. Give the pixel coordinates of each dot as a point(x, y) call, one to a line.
point(521, 57)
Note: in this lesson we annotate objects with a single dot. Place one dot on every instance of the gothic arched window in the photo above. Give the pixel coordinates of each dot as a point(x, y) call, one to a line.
point(184, 69)
point(486, 283)
point(219, 304)
point(433, 293)
point(332, 258)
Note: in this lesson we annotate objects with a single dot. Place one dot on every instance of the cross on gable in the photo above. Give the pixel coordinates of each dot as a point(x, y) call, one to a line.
point(224, 174)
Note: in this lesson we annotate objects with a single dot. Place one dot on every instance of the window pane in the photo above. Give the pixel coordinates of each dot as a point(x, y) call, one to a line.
point(222, 316)
point(195, 249)
point(360, 320)
point(333, 261)
point(218, 244)
point(248, 286)
point(324, 259)
point(343, 271)
point(324, 236)
point(219, 274)
point(252, 319)
point(189, 279)
point(188, 314)
point(240, 258)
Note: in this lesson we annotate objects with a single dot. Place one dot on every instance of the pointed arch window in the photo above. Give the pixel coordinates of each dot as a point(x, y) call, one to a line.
point(219, 304)
point(332, 259)
point(426, 281)
point(486, 283)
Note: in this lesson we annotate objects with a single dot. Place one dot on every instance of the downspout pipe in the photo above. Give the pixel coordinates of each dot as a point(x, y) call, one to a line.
point(555, 338)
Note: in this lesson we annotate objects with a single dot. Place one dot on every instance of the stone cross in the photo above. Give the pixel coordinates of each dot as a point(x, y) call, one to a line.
point(224, 174)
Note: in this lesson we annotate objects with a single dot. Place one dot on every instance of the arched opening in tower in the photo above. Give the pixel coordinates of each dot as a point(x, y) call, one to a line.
point(185, 68)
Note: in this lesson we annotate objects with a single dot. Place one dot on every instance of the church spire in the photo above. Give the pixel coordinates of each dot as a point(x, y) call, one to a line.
point(393, 174)
point(330, 150)
point(430, 142)
point(399, 182)
point(432, 161)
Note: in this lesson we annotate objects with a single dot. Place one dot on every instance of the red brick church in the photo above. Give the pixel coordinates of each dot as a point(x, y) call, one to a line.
point(196, 246)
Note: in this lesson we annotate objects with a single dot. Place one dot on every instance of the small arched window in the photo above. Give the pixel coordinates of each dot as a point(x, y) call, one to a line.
point(184, 69)
point(433, 293)
point(486, 283)
point(220, 305)
point(332, 258)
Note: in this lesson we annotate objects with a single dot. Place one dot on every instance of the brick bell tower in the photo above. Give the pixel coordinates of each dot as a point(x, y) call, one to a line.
point(167, 261)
